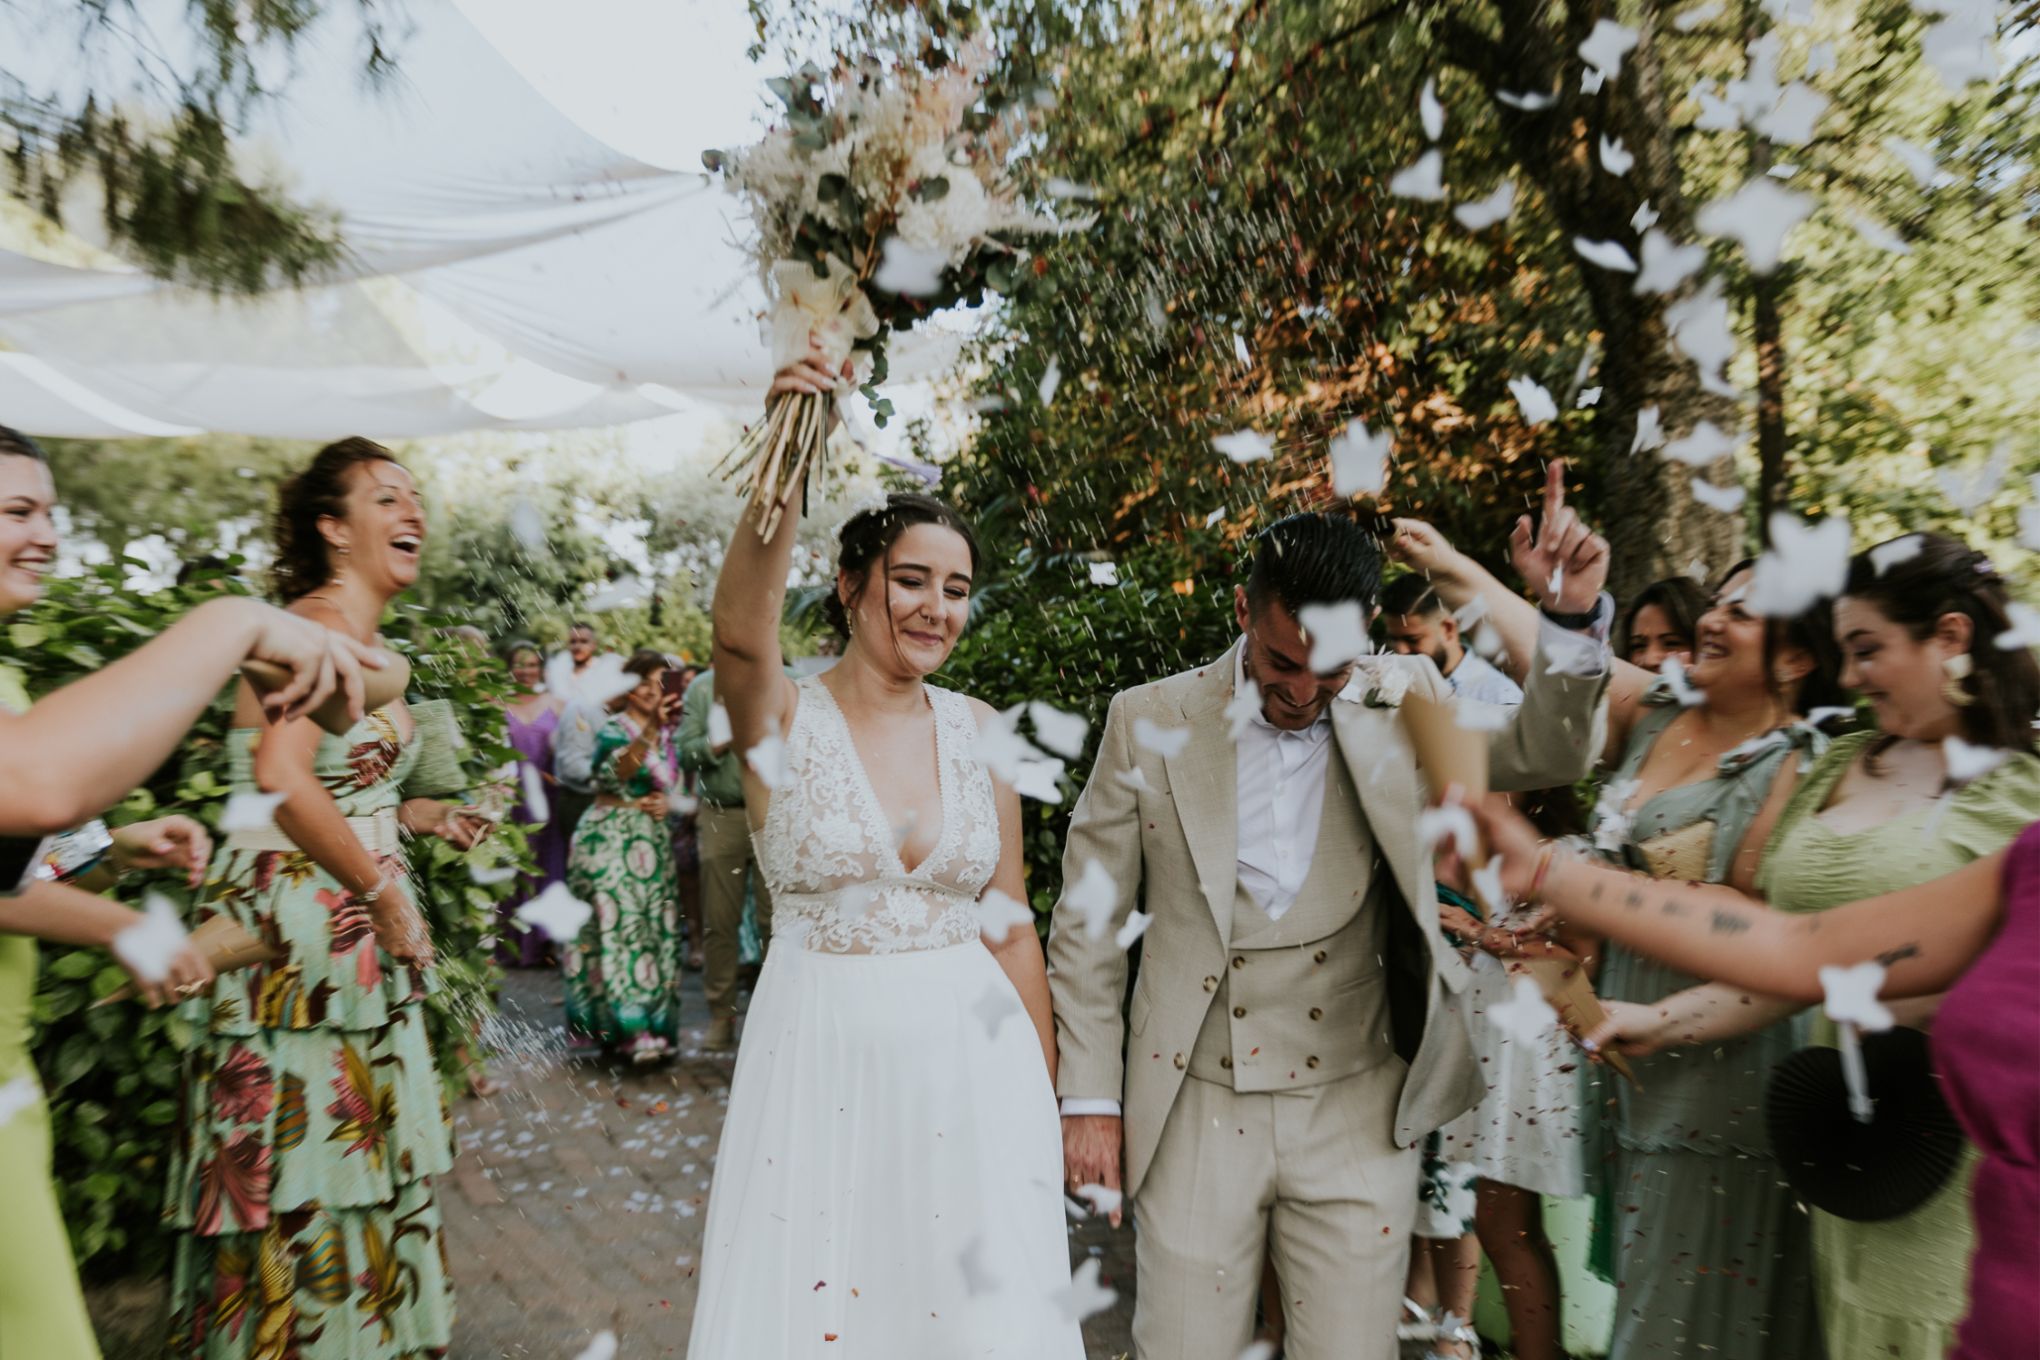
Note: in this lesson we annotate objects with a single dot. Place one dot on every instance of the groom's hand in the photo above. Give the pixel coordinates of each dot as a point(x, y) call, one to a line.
point(1091, 1147)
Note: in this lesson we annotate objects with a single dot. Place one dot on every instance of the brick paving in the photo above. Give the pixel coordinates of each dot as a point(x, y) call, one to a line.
point(577, 1203)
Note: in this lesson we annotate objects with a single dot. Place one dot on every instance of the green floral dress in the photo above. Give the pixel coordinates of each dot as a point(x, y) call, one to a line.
point(313, 1117)
point(1895, 1288)
point(622, 974)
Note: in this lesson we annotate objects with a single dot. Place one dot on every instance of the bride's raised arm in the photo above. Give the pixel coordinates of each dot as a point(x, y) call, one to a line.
point(750, 595)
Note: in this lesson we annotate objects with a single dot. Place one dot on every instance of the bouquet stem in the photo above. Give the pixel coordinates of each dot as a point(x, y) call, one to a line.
point(777, 455)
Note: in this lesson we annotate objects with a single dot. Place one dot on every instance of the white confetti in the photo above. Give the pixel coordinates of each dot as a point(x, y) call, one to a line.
point(1424, 181)
point(1592, 79)
point(1526, 1015)
point(1039, 777)
point(1970, 492)
point(768, 758)
point(603, 1347)
point(1615, 157)
point(1607, 254)
point(1245, 446)
point(1918, 161)
point(536, 805)
point(1607, 45)
point(1431, 111)
point(1700, 14)
point(1852, 995)
point(1674, 673)
point(1726, 499)
point(1214, 517)
point(2025, 629)
point(1790, 121)
point(1135, 779)
point(997, 915)
point(1103, 1199)
point(1062, 733)
point(681, 803)
point(1337, 634)
point(1483, 213)
point(622, 593)
point(1094, 897)
point(910, 270)
point(1820, 60)
point(720, 733)
point(1805, 564)
point(1877, 235)
point(1650, 431)
point(250, 812)
point(1716, 114)
point(1051, 379)
point(1573, 654)
point(1534, 402)
point(1967, 763)
point(1704, 444)
point(20, 1094)
point(1157, 314)
point(1104, 573)
point(148, 945)
point(1612, 818)
point(1450, 821)
point(1360, 460)
point(491, 875)
point(1701, 328)
point(1070, 189)
point(1166, 742)
point(1528, 103)
point(1759, 216)
point(1243, 708)
point(1643, 219)
point(1962, 47)
point(1666, 263)
point(1259, 1350)
point(527, 525)
point(995, 1006)
point(1085, 1296)
point(1589, 396)
point(557, 912)
point(1136, 926)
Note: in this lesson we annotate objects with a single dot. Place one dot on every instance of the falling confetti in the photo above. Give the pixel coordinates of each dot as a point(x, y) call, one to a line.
point(603, 1347)
point(977, 1281)
point(1051, 379)
point(1431, 111)
point(1166, 742)
point(998, 914)
point(1243, 708)
point(1135, 927)
point(1085, 1296)
point(1643, 219)
point(527, 525)
point(1806, 563)
point(536, 805)
point(768, 758)
point(1424, 181)
point(1062, 733)
point(17, 1095)
point(1094, 897)
point(1918, 161)
point(1102, 1199)
point(1449, 820)
point(1607, 254)
point(557, 912)
point(1534, 402)
point(720, 733)
point(250, 812)
point(1967, 763)
point(1700, 14)
point(1615, 157)
point(1674, 673)
point(1527, 103)
point(2025, 629)
point(1104, 573)
point(1877, 235)
point(1759, 216)
point(995, 1006)
point(148, 946)
point(1666, 263)
point(1483, 213)
point(1526, 1015)
point(1360, 460)
point(909, 269)
point(1790, 122)
point(1605, 47)
point(1851, 1002)
point(1650, 431)
point(1245, 446)
point(491, 875)
point(1701, 328)
point(1337, 634)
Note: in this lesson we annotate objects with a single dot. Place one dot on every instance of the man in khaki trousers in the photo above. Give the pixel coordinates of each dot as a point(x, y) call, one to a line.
point(1294, 1032)
point(728, 864)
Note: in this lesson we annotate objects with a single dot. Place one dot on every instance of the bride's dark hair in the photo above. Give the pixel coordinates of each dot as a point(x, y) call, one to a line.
point(866, 540)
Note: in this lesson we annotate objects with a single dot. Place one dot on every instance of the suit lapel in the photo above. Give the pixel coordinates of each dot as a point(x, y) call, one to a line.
point(1204, 779)
point(1377, 755)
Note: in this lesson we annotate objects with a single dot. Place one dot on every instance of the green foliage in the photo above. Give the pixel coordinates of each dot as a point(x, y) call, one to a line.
point(113, 1074)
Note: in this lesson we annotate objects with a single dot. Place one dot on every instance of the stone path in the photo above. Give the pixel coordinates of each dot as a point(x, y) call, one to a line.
point(577, 1202)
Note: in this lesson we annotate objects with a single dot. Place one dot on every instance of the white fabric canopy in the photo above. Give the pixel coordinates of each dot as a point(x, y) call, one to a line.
point(506, 268)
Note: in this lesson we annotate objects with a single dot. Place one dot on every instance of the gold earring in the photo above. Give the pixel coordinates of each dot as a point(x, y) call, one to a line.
point(1958, 668)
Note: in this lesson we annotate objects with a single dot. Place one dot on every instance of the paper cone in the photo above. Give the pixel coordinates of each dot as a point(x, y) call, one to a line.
point(1567, 989)
point(1447, 754)
point(226, 946)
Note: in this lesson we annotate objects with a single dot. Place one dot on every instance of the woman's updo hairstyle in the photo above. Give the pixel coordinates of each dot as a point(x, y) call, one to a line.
point(1949, 577)
point(866, 541)
point(15, 444)
point(319, 492)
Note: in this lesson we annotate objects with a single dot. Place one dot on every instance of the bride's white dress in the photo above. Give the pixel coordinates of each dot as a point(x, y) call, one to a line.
point(889, 1180)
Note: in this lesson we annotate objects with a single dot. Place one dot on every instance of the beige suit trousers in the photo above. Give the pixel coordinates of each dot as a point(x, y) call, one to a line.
point(723, 836)
point(1312, 1177)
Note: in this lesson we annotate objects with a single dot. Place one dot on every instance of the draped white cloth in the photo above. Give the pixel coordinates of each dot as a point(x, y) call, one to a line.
point(506, 268)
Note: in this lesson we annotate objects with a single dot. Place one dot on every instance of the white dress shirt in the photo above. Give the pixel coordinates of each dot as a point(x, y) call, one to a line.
point(1477, 679)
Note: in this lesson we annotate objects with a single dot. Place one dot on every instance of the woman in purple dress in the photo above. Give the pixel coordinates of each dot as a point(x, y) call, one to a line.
point(533, 715)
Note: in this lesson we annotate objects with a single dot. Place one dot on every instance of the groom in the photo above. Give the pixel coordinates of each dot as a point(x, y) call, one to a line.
point(1295, 1031)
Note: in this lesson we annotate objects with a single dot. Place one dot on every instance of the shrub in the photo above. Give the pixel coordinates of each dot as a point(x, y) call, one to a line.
point(113, 1074)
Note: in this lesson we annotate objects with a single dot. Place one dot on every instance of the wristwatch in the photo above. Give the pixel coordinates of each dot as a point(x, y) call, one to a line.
point(1577, 623)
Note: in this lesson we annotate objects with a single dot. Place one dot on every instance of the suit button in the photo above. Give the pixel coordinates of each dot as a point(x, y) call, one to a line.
point(1211, 984)
point(1311, 1061)
point(1180, 1064)
point(1318, 957)
point(1239, 961)
point(1317, 1013)
point(1226, 1063)
point(1239, 1012)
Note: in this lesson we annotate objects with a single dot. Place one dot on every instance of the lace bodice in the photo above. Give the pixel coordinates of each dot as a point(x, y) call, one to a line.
point(833, 863)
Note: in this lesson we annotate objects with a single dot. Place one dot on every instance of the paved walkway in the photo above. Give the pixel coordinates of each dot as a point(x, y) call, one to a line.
point(577, 1203)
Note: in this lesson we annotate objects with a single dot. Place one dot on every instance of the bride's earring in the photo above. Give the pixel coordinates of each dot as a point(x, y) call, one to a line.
point(1958, 668)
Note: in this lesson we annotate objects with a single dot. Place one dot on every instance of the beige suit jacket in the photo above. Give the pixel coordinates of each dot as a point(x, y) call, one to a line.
point(1166, 829)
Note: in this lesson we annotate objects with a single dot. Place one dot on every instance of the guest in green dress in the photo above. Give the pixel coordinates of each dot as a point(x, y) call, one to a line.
point(1879, 812)
point(313, 1118)
point(622, 974)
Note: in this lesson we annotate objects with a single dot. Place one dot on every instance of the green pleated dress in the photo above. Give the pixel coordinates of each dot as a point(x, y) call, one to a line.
point(313, 1120)
point(1896, 1289)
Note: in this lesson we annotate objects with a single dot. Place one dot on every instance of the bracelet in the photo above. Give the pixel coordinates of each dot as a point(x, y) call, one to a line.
point(1544, 859)
point(1572, 622)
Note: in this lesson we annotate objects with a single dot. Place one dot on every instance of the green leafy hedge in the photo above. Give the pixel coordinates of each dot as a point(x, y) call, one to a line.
point(113, 1074)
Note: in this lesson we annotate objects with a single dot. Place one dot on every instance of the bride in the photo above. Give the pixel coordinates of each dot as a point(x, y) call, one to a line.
point(889, 1181)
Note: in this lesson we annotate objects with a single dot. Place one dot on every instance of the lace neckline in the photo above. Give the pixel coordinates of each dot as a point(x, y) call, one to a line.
point(876, 823)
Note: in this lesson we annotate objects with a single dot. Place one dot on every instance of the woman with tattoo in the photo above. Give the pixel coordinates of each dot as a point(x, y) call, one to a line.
point(1974, 932)
point(1691, 1209)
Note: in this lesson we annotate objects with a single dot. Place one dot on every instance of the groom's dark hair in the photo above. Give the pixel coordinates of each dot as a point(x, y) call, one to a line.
point(1314, 559)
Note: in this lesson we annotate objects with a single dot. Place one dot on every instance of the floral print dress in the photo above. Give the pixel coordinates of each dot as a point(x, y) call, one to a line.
point(622, 974)
point(313, 1116)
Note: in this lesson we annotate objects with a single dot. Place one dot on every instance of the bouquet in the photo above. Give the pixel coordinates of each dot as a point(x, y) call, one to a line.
point(885, 195)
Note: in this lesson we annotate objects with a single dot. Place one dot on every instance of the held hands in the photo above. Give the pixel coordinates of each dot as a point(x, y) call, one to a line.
point(1564, 551)
point(165, 843)
point(1092, 1144)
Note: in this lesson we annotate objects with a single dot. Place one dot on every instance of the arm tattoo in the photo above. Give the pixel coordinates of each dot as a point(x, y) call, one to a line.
point(1676, 906)
point(1728, 923)
point(1634, 900)
point(1899, 955)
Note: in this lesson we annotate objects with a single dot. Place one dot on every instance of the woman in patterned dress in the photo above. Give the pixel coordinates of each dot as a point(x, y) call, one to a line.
point(622, 974)
point(313, 1122)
